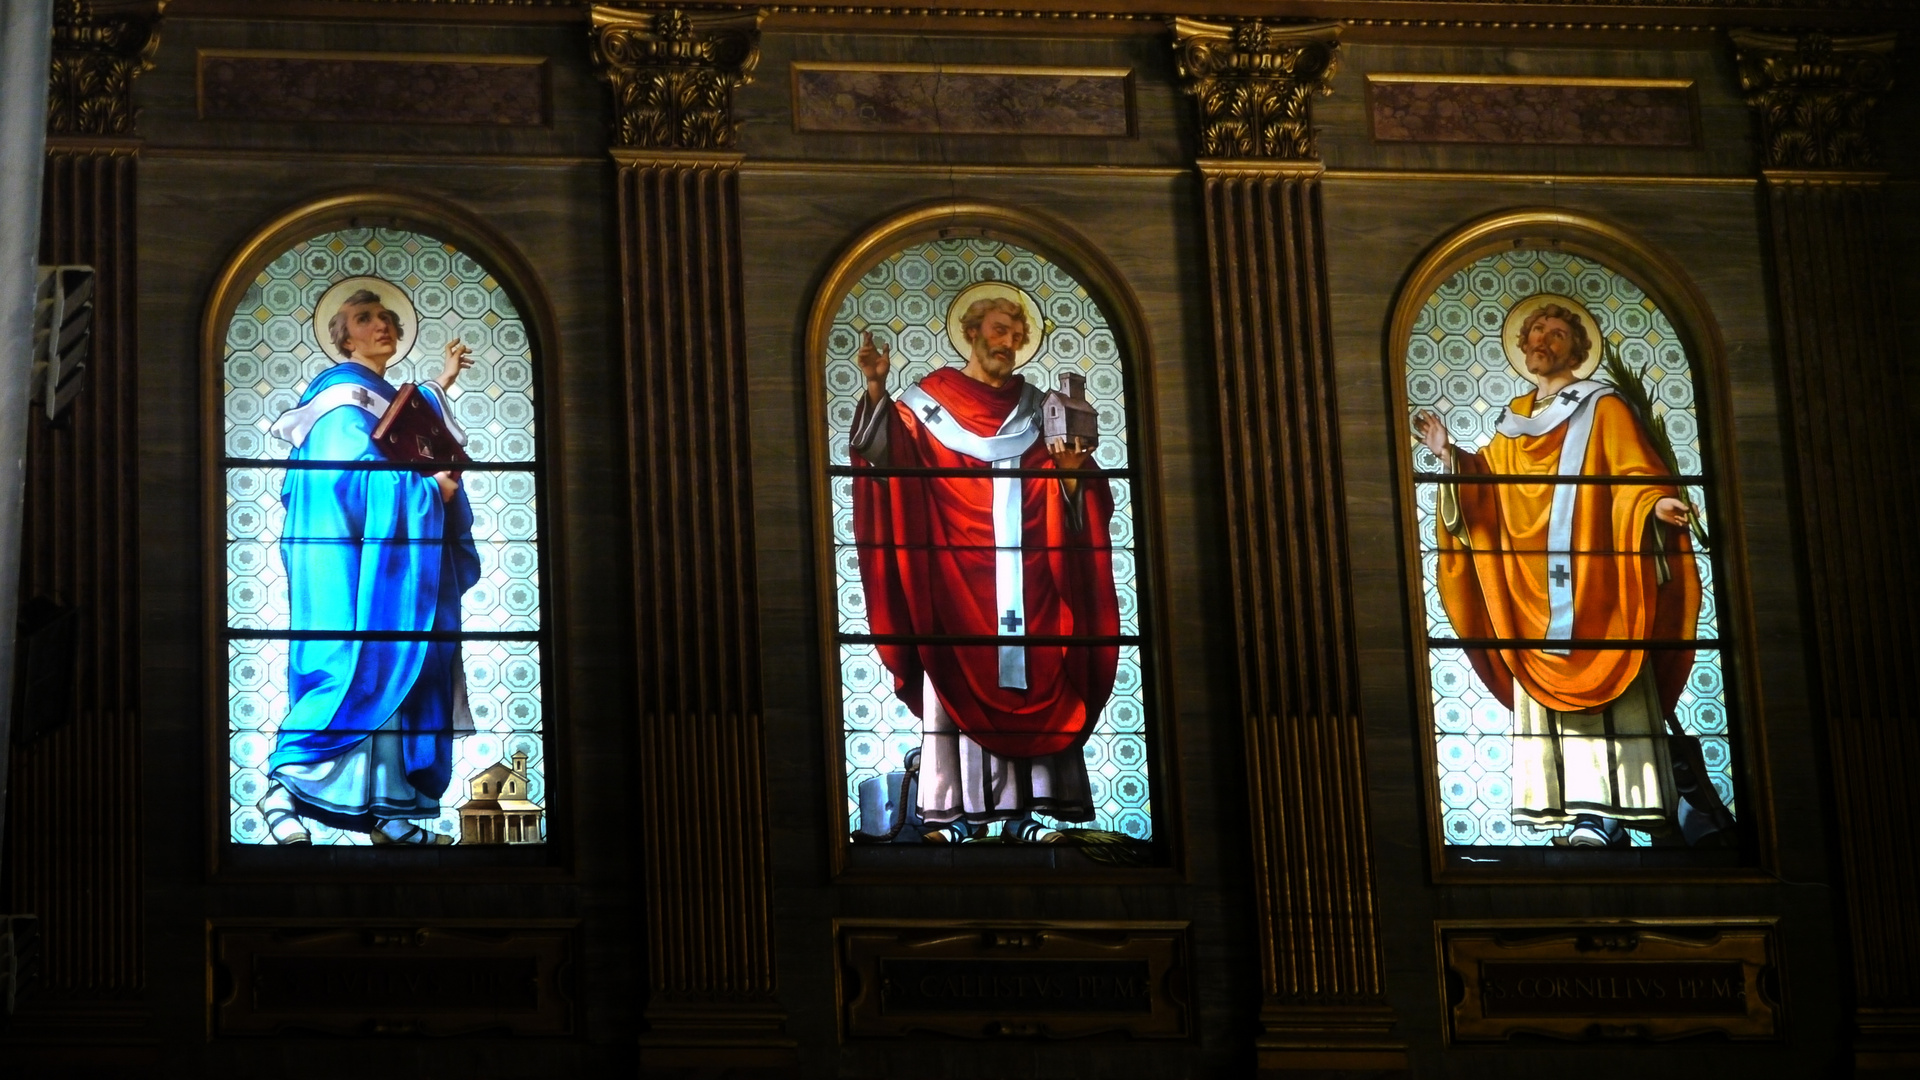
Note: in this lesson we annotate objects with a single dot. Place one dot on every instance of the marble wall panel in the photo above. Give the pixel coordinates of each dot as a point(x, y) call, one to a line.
point(1531, 111)
point(397, 89)
point(923, 99)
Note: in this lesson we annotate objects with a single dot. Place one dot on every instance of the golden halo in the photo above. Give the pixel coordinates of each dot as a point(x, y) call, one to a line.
point(1036, 323)
point(392, 297)
point(1517, 315)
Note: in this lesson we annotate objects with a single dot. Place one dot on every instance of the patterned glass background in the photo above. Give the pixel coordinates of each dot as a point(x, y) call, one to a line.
point(1457, 367)
point(271, 355)
point(904, 302)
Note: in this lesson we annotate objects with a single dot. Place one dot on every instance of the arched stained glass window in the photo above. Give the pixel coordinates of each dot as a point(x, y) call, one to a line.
point(1569, 606)
point(989, 630)
point(384, 623)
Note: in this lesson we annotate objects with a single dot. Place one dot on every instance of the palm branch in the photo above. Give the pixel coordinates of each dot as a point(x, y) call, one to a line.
point(1632, 388)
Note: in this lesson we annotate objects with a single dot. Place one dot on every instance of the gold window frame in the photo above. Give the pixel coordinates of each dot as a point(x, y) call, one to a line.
point(1663, 280)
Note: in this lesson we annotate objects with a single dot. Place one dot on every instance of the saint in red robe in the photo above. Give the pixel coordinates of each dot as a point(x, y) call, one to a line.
point(931, 566)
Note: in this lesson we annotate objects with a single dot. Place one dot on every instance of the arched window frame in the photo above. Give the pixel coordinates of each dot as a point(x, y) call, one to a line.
point(1057, 242)
point(375, 208)
point(1661, 278)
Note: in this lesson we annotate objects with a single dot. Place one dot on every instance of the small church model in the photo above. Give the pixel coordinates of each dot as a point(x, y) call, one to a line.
point(1066, 414)
point(497, 810)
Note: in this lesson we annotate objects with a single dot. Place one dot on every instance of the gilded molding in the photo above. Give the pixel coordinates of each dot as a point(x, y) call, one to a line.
point(1255, 83)
point(673, 74)
point(1812, 93)
point(96, 57)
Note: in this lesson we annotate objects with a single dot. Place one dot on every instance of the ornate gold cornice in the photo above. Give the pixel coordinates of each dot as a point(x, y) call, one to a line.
point(1812, 94)
point(673, 74)
point(1255, 83)
point(98, 49)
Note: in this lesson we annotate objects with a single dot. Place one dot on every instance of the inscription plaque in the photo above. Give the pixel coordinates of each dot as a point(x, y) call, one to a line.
point(1664, 979)
point(910, 987)
point(999, 980)
point(356, 979)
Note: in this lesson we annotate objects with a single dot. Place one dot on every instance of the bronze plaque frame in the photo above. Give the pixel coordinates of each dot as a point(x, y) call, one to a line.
point(997, 979)
point(361, 977)
point(1610, 979)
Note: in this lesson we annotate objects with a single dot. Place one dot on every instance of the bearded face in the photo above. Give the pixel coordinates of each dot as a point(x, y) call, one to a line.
point(1000, 335)
point(1549, 346)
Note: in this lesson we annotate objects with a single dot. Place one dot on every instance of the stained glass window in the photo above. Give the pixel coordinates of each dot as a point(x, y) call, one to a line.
point(383, 625)
point(1568, 590)
point(978, 706)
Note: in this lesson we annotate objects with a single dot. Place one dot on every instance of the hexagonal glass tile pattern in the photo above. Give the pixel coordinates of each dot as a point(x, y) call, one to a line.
point(904, 301)
point(1457, 366)
point(272, 352)
point(271, 355)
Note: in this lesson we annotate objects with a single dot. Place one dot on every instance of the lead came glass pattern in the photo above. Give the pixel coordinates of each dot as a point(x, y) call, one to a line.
point(271, 355)
point(1457, 366)
point(904, 302)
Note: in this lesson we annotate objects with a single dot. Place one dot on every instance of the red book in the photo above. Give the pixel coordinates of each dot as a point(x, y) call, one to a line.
point(413, 431)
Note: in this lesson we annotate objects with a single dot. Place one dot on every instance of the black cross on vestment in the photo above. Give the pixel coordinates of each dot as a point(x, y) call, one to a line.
point(931, 412)
point(1569, 396)
point(1011, 621)
point(1559, 575)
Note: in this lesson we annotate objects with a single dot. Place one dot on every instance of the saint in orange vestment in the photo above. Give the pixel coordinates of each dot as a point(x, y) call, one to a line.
point(1631, 578)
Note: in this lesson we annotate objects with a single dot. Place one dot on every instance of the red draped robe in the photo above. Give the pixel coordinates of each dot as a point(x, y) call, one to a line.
point(926, 547)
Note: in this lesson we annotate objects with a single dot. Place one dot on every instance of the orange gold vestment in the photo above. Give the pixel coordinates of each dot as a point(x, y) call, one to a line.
point(1633, 578)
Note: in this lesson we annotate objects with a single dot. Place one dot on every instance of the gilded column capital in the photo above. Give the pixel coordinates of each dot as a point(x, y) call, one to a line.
point(1812, 93)
point(1255, 83)
point(673, 74)
point(99, 47)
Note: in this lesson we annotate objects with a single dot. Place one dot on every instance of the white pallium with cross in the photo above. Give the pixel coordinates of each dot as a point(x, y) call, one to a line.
point(1004, 451)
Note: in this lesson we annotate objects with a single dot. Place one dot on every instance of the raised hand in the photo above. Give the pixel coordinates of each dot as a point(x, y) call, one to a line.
point(874, 361)
point(1432, 433)
point(459, 358)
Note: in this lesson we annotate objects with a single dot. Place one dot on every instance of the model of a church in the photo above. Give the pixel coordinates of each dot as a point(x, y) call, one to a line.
point(497, 810)
point(1066, 414)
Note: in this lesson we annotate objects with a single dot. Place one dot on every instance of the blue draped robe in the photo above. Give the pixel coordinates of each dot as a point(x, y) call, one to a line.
point(369, 733)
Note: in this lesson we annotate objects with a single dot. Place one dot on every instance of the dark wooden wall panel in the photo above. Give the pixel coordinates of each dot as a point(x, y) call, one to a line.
point(74, 839)
point(1858, 477)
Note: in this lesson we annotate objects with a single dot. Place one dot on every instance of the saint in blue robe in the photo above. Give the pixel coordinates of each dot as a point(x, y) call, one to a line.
point(369, 732)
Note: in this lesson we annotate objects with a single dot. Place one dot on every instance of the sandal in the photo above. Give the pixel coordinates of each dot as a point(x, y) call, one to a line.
point(412, 836)
point(1029, 831)
point(954, 832)
point(283, 820)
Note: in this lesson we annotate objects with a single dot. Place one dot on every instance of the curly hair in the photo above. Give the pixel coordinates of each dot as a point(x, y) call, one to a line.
point(1581, 345)
point(337, 326)
point(977, 314)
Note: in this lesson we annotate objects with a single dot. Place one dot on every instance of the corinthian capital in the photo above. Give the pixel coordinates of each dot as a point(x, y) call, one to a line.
point(673, 74)
point(1255, 83)
point(98, 48)
point(1812, 94)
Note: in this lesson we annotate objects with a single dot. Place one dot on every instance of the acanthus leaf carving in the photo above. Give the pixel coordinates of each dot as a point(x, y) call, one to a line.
point(1812, 94)
point(98, 50)
point(673, 74)
point(1255, 82)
